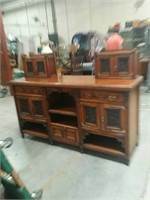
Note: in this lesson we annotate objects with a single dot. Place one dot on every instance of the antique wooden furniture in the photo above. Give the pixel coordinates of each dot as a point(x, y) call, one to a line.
point(117, 64)
point(90, 113)
point(39, 65)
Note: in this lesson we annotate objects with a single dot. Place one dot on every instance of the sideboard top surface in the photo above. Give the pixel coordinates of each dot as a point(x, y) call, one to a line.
point(80, 82)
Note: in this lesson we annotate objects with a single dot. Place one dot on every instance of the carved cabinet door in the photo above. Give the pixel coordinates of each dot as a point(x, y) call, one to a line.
point(37, 107)
point(90, 115)
point(23, 106)
point(113, 118)
point(30, 107)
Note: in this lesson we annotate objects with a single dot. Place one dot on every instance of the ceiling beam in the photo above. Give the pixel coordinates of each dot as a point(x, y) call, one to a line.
point(15, 5)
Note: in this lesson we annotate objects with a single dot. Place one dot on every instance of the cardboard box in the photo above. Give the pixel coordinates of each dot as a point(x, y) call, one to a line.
point(136, 23)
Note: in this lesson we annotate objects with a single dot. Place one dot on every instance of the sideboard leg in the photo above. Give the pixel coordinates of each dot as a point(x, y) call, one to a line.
point(127, 162)
point(51, 142)
point(22, 135)
point(81, 149)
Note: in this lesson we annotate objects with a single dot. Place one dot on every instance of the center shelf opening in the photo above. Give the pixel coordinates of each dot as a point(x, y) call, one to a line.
point(64, 120)
point(62, 101)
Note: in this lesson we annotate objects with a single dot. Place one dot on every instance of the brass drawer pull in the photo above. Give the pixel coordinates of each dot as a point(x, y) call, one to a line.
point(102, 119)
point(115, 67)
point(111, 98)
point(88, 95)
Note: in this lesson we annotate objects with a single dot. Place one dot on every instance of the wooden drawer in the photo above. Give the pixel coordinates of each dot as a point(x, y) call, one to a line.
point(112, 97)
point(25, 90)
point(61, 90)
point(65, 134)
point(102, 96)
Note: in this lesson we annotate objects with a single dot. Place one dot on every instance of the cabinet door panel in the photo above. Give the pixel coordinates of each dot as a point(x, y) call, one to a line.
point(29, 68)
point(41, 70)
point(123, 66)
point(57, 132)
point(65, 134)
point(37, 106)
point(23, 106)
point(90, 113)
point(114, 118)
point(72, 135)
point(104, 64)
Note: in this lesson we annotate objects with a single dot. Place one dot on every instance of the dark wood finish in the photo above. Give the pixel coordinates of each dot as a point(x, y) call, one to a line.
point(39, 65)
point(95, 114)
point(117, 64)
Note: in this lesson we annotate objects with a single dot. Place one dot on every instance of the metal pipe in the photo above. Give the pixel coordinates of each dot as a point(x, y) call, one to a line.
point(27, 19)
point(67, 21)
point(12, 6)
point(46, 16)
point(54, 16)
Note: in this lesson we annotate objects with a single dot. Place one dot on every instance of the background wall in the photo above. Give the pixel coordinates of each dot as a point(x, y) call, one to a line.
point(72, 16)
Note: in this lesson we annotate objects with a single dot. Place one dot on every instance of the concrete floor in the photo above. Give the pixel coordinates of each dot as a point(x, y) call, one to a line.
point(66, 174)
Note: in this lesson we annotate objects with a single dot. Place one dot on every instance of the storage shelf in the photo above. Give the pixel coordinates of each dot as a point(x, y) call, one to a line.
point(66, 123)
point(35, 133)
point(37, 129)
point(71, 111)
point(64, 120)
point(38, 119)
point(104, 144)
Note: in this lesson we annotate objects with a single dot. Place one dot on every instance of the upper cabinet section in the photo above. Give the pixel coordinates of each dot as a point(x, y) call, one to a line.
point(40, 65)
point(117, 64)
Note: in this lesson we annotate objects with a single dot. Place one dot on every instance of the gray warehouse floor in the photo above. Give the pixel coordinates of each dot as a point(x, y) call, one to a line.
point(65, 174)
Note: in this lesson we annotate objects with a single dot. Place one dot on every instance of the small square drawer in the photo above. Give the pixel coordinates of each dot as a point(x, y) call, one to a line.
point(28, 90)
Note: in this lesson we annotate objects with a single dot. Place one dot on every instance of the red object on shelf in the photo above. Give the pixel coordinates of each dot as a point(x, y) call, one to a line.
point(117, 26)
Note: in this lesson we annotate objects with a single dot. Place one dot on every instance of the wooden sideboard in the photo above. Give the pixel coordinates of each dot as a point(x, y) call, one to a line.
point(95, 114)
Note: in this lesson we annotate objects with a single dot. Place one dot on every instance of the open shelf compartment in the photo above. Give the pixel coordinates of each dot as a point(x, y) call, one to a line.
point(103, 144)
point(36, 129)
point(64, 120)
